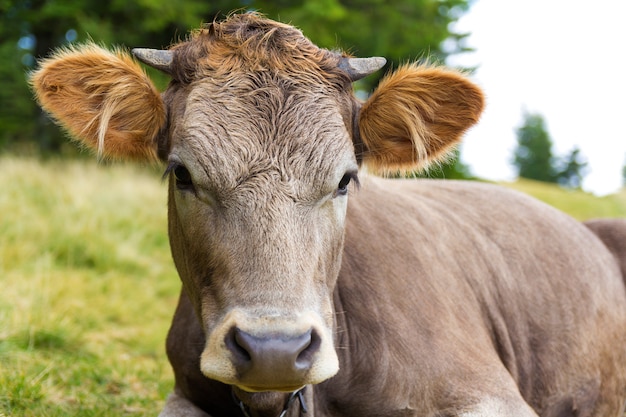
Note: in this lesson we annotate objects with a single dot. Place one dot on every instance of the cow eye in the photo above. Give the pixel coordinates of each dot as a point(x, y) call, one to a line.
point(342, 188)
point(182, 177)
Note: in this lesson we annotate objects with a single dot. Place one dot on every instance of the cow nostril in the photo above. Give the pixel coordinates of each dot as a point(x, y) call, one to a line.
point(305, 357)
point(273, 352)
point(238, 345)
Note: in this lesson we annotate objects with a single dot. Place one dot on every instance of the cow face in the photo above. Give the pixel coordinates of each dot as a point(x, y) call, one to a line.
point(256, 212)
point(262, 138)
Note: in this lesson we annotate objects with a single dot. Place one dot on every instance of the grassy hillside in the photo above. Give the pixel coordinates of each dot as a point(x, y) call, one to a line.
point(579, 204)
point(87, 285)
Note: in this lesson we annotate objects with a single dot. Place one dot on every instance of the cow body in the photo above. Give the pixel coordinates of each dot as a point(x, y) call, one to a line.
point(508, 306)
point(613, 233)
point(416, 298)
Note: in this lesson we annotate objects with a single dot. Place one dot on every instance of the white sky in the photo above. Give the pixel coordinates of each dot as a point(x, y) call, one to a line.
point(564, 59)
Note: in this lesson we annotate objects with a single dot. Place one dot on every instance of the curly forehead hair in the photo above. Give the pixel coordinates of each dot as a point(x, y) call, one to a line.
point(251, 43)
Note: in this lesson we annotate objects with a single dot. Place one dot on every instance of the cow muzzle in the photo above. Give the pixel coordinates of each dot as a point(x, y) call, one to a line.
point(275, 353)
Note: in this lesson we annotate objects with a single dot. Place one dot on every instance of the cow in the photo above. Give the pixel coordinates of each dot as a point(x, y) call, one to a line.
point(613, 234)
point(312, 285)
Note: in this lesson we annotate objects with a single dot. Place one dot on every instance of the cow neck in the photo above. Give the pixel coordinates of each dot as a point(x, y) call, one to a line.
point(296, 395)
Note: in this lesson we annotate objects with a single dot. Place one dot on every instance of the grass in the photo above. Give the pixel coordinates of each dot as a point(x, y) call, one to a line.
point(577, 203)
point(88, 288)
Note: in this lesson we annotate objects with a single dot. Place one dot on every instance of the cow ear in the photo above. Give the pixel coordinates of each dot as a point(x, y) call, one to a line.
point(416, 116)
point(103, 98)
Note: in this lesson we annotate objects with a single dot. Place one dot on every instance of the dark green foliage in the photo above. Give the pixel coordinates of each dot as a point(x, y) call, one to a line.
point(534, 159)
point(400, 30)
point(533, 155)
point(31, 29)
point(452, 169)
point(573, 169)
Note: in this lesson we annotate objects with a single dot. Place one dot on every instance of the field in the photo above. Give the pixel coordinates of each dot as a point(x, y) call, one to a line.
point(87, 285)
point(87, 289)
point(578, 204)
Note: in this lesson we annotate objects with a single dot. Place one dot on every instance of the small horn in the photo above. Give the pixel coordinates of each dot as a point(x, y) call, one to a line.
point(358, 68)
point(156, 58)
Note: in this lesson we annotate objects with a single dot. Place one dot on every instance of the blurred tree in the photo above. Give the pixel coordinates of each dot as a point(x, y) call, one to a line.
point(573, 170)
point(534, 159)
point(32, 28)
point(533, 156)
point(400, 30)
point(451, 169)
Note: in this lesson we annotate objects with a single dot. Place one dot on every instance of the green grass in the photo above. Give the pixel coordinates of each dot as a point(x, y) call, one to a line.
point(577, 203)
point(88, 288)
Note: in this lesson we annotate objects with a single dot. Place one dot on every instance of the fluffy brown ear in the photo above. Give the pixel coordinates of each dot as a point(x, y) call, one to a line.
point(416, 116)
point(103, 98)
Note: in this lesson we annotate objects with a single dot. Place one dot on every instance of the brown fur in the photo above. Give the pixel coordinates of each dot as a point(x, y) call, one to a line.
point(415, 116)
point(426, 298)
point(613, 233)
point(101, 97)
point(249, 43)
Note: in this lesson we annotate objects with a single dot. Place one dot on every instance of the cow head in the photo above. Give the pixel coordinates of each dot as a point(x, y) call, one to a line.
point(261, 136)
